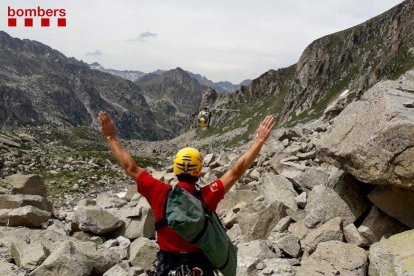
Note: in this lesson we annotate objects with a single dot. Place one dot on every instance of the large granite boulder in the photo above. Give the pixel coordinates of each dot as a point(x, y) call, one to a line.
point(77, 258)
point(257, 221)
point(10, 269)
point(330, 231)
point(28, 255)
point(377, 225)
point(143, 252)
point(343, 197)
point(96, 220)
point(26, 184)
point(20, 200)
point(250, 254)
point(373, 138)
point(393, 256)
point(335, 258)
point(277, 187)
point(28, 216)
point(396, 202)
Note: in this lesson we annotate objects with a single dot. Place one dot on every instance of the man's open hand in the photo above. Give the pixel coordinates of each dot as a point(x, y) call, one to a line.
point(107, 125)
point(265, 128)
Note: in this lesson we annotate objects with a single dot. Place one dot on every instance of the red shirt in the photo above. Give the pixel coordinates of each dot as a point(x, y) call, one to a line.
point(155, 192)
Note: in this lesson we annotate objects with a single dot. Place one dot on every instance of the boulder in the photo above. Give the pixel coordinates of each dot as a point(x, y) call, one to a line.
point(256, 223)
point(377, 224)
point(353, 236)
point(235, 234)
point(393, 256)
point(345, 198)
point(310, 178)
point(335, 258)
point(132, 191)
point(96, 220)
point(283, 224)
point(330, 231)
point(234, 197)
point(20, 200)
point(28, 255)
point(373, 139)
point(26, 184)
point(277, 266)
point(289, 244)
point(139, 221)
point(143, 252)
point(302, 200)
point(80, 258)
point(49, 239)
point(396, 202)
point(208, 159)
point(250, 254)
point(28, 216)
point(106, 201)
point(278, 188)
point(299, 229)
point(121, 269)
point(100, 258)
point(66, 260)
point(10, 269)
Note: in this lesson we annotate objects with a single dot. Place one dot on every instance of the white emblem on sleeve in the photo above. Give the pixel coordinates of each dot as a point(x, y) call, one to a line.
point(214, 187)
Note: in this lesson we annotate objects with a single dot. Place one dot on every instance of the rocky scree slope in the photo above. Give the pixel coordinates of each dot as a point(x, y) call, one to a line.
point(353, 59)
point(303, 209)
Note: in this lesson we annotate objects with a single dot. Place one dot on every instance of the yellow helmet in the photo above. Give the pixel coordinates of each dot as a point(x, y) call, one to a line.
point(188, 161)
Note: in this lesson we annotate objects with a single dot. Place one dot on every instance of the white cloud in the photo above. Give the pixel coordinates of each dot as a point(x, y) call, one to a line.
point(94, 53)
point(224, 40)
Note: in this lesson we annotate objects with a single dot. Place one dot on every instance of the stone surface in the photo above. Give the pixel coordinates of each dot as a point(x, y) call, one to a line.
point(257, 223)
point(106, 201)
point(345, 198)
point(28, 256)
point(26, 184)
point(20, 200)
point(143, 252)
point(66, 260)
point(299, 229)
point(377, 224)
point(396, 202)
point(335, 258)
point(353, 236)
point(250, 254)
point(278, 188)
point(393, 256)
point(121, 269)
point(28, 216)
point(10, 269)
point(310, 178)
point(77, 258)
point(277, 266)
point(283, 224)
point(330, 231)
point(301, 200)
point(96, 220)
point(372, 138)
point(289, 244)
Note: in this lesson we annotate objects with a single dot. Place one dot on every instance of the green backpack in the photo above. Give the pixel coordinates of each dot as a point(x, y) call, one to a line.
point(189, 217)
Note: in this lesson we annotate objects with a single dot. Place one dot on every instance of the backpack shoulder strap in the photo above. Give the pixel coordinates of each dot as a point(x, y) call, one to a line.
point(163, 222)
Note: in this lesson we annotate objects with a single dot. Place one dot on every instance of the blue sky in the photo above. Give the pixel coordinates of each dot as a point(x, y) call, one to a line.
point(221, 39)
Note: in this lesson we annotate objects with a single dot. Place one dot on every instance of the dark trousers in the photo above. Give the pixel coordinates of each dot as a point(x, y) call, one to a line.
point(170, 261)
